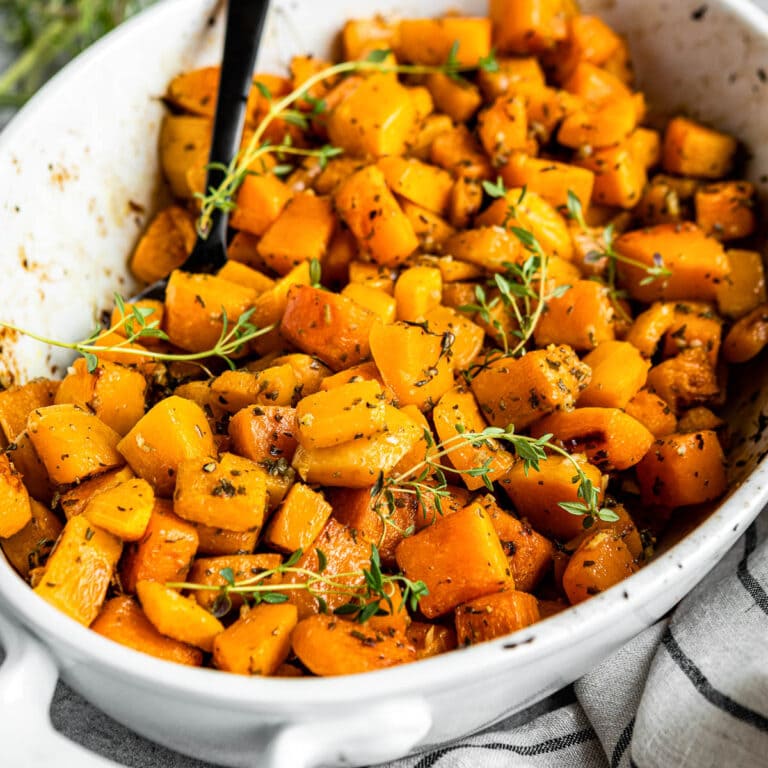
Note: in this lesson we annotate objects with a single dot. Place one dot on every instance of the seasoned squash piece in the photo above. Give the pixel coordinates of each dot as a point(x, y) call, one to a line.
point(361, 36)
point(537, 495)
point(242, 274)
point(527, 26)
point(620, 177)
point(421, 183)
point(610, 438)
point(15, 506)
point(341, 414)
point(357, 463)
point(29, 547)
point(219, 542)
point(74, 501)
point(459, 99)
point(235, 390)
point(72, 443)
point(691, 149)
point(459, 152)
point(115, 393)
point(373, 215)
point(173, 430)
point(301, 232)
point(332, 327)
point(694, 326)
point(229, 493)
point(601, 561)
point(697, 263)
point(485, 618)
point(653, 412)
point(743, 288)
point(459, 558)
point(431, 230)
point(124, 510)
point(430, 41)
point(467, 336)
point(330, 646)
point(184, 147)
point(549, 178)
point(79, 570)
point(490, 248)
point(683, 469)
point(618, 373)
point(194, 305)
point(430, 639)
point(17, 402)
point(377, 301)
point(503, 128)
point(413, 362)
point(726, 210)
point(747, 336)
point(122, 620)
point(601, 126)
point(195, 91)
point(208, 571)
point(164, 552)
point(582, 317)
point(376, 118)
point(178, 617)
point(299, 519)
point(264, 433)
point(418, 290)
point(260, 201)
point(32, 470)
point(520, 390)
point(258, 643)
point(457, 413)
point(165, 244)
point(684, 380)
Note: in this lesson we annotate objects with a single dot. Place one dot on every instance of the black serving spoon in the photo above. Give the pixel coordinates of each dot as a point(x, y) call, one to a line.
point(245, 22)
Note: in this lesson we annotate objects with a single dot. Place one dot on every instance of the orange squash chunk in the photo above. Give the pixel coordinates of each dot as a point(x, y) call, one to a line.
point(485, 618)
point(15, 506)
point(165, 245)
point(691, 149)
point(299, 519)
point(619, 372)
point(430, 41)
point(29, 547)
point(17, 402)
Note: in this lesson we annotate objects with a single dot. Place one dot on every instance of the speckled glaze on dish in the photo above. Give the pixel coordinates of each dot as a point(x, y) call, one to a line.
point(80, 179)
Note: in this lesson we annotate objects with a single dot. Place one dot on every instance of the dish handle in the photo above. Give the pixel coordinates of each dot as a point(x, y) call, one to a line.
point(378, 733)
point(28, 677)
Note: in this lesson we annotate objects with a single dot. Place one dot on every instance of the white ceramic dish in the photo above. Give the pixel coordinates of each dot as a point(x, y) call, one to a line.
point(79, 165)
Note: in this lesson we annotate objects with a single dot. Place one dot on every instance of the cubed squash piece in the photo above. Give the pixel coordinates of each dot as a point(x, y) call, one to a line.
point(697, 264)
point(377, 301)
point(459, 152)
point(620, 177)
point(490, 248)
point(431, 230)
point(178, 617)
point(467, 336)
point(537, 495)
point(31, 469)
point(234, 390)
point(358, 463)
point(332, 327)
point(652, 412)
point(184, 147)
point(122, 620)
point(341, 414)
point(219, 542)
point(75, 500)
point(327, 645)
point(457, 414)
point(418, 290)
point(194, 305)
point(114, 392)
point(600, 562)
point(237, 272)
point(299, 519)
point(300, 233)
point(485, 618)
point(431, 639)
point(164, 552)
point(79, 570)
point(229, 493)
point(15, 506)
point(692, 149)
point(459, 558)
point(514, 76)
point(743, 288)
point(600, 126)
point(18, 401)
point(264, 433)
point(527, 26)
point(683, 469)
point(260, 200)
point(72, 443)
point(619, 372)
point(124, 510)
point(459, 99)
point(421, 183)
point(725, 210)
point(165, 245)
point(549, 178)
point(376, 118)
point(520, 390)
point(686, 379)
point(29, 547)
point(503, 128)
point(173, 430)
point(361, 36)
point(611, 439)
point(373, 215)
point(430, 41)
point(258, 643)
point(413, 362)
point(582, 317)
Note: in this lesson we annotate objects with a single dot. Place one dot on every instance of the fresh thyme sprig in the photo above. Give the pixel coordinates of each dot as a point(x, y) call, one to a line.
point(223, 196)
point(604, 249)
point(137, 327)
point(429, 478)
point(364, 600)
point(517, 285)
